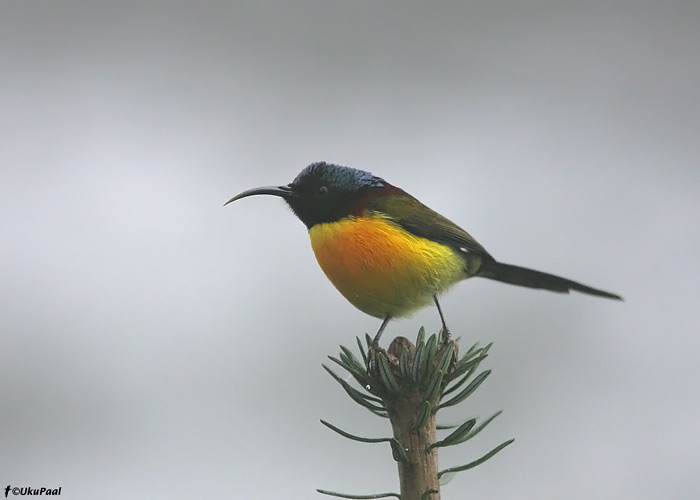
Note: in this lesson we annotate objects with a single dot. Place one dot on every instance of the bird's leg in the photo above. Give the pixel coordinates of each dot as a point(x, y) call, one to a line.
point(445, 330)
point(374, 346)
point(446, 335)
point(375, 341)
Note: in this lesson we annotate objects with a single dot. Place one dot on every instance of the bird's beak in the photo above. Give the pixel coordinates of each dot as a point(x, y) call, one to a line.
point(282, 191)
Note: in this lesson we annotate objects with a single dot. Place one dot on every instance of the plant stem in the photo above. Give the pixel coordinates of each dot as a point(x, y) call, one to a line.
point(420, 474)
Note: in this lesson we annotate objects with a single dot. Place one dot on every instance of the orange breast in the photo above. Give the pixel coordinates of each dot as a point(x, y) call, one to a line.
point(382, 269)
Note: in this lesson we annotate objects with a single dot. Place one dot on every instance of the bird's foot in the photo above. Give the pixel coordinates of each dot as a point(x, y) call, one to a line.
point(372, 353)
point(445, 335)
point(445, 340)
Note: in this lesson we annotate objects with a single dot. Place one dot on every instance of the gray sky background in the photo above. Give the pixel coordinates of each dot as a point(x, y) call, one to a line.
point(155, 344)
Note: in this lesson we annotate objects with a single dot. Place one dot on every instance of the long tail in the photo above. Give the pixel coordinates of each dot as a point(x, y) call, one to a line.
point(521, 276)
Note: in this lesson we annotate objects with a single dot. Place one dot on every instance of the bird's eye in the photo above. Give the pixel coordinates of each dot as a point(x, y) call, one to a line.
point(322, 190)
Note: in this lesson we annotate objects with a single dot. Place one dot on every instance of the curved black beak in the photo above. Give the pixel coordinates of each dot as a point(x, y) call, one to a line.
point(282, 191)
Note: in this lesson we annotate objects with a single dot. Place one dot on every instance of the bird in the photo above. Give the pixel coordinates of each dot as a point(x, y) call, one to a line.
point(386, 252)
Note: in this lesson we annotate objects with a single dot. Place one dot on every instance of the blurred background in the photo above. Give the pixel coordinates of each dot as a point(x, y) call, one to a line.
point(157, 344)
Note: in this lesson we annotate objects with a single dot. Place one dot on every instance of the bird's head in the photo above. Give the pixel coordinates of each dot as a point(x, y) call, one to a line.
point(324, 192)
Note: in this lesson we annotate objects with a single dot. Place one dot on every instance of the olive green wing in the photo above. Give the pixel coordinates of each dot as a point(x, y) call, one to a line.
point(417, 219)
point(422, 221)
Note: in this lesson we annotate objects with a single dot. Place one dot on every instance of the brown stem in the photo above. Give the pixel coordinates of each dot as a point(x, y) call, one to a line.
point(420, 474)
point(418, 477)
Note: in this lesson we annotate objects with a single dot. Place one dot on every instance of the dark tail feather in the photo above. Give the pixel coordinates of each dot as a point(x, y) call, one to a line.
point(522, 276)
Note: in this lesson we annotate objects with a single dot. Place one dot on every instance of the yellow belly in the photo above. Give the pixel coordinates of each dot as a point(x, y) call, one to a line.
point(382, 269)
